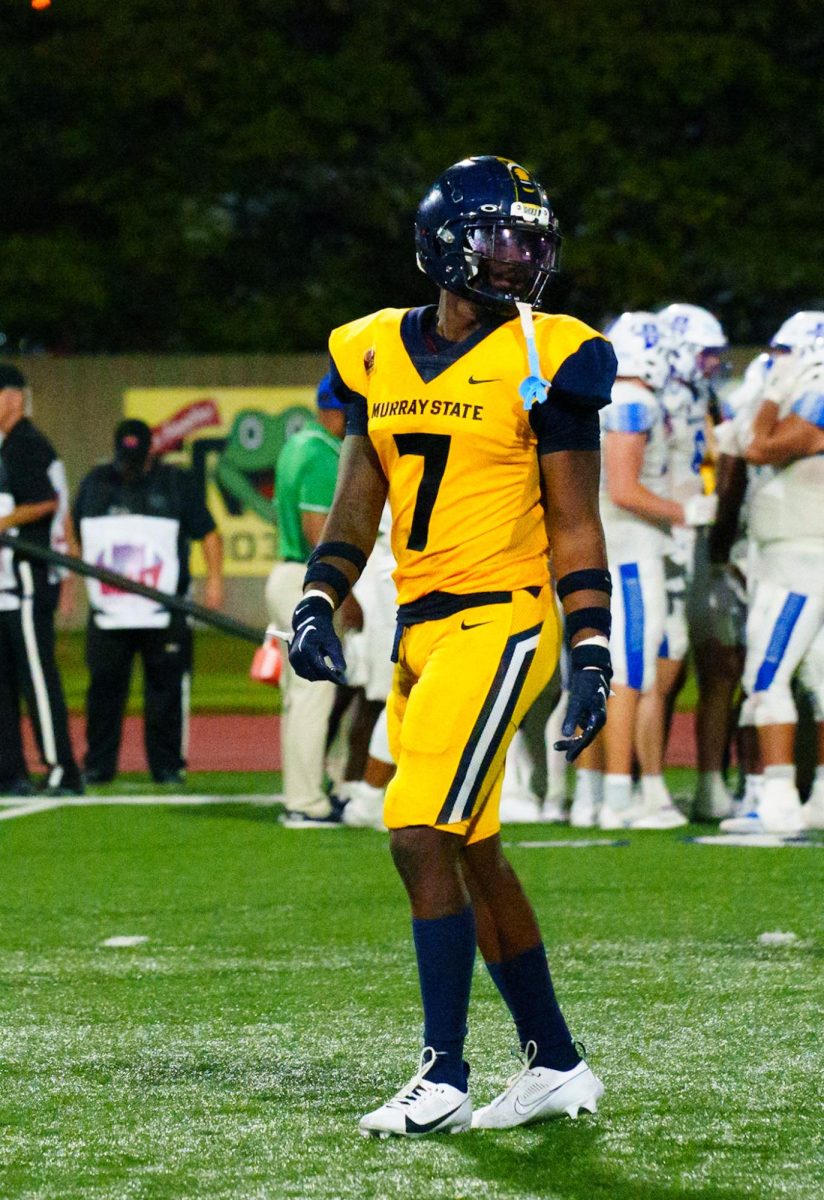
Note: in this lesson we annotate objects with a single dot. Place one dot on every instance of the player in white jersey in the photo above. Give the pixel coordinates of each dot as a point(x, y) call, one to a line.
point(786, 521)
point(697, 343)
point(730, 551)
point(636, 512)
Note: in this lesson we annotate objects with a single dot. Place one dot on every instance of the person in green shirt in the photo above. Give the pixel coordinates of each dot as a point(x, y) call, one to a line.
point(305, 476)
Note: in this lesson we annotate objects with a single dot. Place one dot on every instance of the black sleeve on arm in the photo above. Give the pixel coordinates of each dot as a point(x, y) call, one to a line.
point(357, 415)
point(561, 424)
point(196, 520)
point(28, 473)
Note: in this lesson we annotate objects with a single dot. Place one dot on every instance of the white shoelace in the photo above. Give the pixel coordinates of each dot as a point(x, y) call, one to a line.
point(526, 1059)
point(418, 1084)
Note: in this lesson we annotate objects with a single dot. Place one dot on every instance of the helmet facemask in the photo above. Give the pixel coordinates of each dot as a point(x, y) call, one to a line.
point(507, 262)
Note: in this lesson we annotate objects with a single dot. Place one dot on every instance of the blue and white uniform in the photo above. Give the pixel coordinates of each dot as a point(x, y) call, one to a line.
point(786, 525)
point(635, 547)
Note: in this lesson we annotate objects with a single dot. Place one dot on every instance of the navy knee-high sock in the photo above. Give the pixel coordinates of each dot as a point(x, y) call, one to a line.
point(445, 947)
point(526, 986)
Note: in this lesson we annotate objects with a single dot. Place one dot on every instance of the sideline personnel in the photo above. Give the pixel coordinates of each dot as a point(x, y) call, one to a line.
point(30, 474)
point(305, 476)
point(448, 412)
point(139, 517)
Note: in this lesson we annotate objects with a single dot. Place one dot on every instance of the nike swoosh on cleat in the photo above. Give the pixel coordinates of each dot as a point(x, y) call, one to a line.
point(475, 625)
point(523, 1110)
point(429, 1126)
point(472, 379)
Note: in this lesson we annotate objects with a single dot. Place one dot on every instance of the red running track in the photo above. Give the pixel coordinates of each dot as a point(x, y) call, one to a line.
point(238, 742)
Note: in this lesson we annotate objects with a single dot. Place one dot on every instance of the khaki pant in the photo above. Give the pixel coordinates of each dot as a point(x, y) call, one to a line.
point(306, 706)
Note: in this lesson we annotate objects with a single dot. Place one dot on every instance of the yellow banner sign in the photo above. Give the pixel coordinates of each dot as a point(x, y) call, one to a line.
point(230, 439)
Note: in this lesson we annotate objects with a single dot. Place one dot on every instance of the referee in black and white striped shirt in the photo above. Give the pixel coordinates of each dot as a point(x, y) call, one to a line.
point(29, 470)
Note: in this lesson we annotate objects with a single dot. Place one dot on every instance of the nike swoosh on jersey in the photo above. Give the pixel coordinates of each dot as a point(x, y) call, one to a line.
point(472, 379)
point(475, 625)
point(429, 1126)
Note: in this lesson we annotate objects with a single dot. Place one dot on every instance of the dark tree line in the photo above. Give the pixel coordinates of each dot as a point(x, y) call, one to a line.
point(201, 175)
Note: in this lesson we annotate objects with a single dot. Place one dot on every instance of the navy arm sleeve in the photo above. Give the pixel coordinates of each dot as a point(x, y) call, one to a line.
point(568, 418)
point(561, 425)
point(357, 416)
point(586, 377)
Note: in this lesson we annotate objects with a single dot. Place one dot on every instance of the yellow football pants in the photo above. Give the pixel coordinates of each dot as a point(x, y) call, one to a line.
point(461, 687)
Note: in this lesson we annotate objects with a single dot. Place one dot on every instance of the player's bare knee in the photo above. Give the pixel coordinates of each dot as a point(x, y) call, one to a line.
point(427, 861)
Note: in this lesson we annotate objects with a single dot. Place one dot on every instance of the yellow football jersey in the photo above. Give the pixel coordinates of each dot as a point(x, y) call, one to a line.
point(456, 444)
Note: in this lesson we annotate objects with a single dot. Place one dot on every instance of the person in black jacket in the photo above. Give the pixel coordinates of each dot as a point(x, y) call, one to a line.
point(138, 517)
point(30, 474)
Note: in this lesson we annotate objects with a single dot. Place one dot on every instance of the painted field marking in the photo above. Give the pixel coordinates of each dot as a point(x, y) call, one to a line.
point(31, 807)
point(125, 939)
point(569, 843)
point(28, 809)
point(753, 841)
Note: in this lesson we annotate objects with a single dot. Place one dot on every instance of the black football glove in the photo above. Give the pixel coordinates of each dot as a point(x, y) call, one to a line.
point(588, 692)
point(315, 651)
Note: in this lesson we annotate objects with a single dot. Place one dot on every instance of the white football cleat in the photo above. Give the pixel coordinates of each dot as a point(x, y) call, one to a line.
point(583, 813)
point(658, 816)
point(519, 807)
point(813, 811)
point(780, 809)
point(747, 822)
point(553, 811)
point(712, 801)
point(420, 1108)
point(538, 1093)
point(364, 808)
point(611, 818)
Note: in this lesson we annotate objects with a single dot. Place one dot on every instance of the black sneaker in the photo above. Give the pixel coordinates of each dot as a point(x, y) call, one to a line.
point(292, 818)
point(62, 789)
point(171, 778)
point(91, 777)
point(18, 787)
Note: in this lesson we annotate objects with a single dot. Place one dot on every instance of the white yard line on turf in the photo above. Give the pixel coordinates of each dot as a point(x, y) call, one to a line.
point(31, 807)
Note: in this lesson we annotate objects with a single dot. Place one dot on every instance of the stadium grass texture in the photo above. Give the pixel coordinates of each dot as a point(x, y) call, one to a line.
point(221, 677)
point(275, 1000)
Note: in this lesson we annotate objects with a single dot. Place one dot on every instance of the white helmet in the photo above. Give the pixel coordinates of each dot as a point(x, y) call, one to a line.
point(801, 329)
point(750, 387)
point(691, 332)
point(639, 344)
point(798, 375)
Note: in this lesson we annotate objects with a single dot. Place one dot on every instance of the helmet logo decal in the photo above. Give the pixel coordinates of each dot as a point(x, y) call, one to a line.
point(650, 334)
point(529, 212)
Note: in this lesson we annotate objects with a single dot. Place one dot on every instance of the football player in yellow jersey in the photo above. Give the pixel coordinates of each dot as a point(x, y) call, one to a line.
point(481, 425)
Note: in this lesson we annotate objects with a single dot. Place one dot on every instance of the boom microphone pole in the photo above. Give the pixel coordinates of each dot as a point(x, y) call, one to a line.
point(177, 603)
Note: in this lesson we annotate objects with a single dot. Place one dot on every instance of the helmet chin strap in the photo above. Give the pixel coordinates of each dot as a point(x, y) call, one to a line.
point(534, 389)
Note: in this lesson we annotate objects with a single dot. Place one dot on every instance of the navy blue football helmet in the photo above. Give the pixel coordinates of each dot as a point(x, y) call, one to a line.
point(485, 230)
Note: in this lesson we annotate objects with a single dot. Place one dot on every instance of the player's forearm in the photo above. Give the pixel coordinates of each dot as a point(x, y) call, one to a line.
point(784, 442)
point(641, 502)
point(355, 513)
point(731, 485)
point(212, 546)
point(27, 514)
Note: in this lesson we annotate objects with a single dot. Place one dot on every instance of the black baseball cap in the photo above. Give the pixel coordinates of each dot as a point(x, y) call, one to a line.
point(11, 377)
point(132, 443)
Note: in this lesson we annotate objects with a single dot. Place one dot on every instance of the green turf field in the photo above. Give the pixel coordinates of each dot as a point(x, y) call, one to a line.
point(221, 677)
point(275, 1000)
point(221, 680)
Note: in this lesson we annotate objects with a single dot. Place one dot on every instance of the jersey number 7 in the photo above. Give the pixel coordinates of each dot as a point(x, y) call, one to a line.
point(433, 448)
